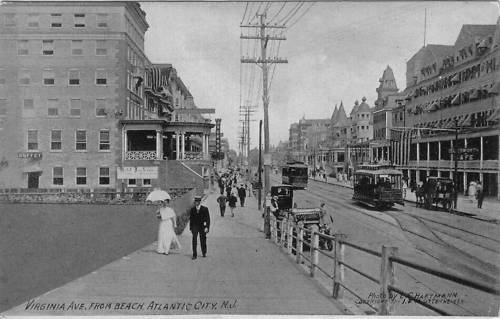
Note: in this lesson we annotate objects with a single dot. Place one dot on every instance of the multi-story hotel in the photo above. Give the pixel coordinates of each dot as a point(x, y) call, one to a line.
point(448, 87)
point(81, 106)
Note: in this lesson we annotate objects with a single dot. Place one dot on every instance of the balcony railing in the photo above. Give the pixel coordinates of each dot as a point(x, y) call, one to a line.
point(490, 164)
point(140, 155)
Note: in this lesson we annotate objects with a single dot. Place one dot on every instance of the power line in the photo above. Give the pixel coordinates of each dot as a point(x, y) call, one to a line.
point(288, 14)
point(300, 17)
point(282, 7)
point(244, 14)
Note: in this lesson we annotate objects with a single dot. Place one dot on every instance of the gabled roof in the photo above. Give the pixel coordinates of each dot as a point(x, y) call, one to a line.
point(334, 114)
point(471, 31)
point(342, 119)
point(355, 108)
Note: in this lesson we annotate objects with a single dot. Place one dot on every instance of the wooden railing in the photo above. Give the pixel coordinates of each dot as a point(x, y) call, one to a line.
point(287, 232)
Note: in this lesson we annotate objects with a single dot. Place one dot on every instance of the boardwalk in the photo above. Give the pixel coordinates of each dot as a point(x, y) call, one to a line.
point(242, 274)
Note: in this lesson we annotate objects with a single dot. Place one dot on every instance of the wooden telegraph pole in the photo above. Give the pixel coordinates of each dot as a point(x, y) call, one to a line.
point(264, 63)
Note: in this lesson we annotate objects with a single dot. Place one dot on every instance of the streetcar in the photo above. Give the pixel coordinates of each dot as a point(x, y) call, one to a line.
point(295, 175)
point(378, 185)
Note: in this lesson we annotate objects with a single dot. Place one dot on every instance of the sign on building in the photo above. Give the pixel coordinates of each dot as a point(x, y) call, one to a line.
point(139, 172)
point(29, 155)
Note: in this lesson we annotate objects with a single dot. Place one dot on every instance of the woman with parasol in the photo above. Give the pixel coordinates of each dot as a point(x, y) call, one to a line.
point(166, 233)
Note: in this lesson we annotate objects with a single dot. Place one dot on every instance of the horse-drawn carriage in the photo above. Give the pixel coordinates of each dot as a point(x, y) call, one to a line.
point(436, 192)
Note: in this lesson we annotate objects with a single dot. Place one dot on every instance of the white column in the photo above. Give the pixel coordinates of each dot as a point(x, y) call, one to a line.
point(428, 152)
point(207, 145)
point(203, 143)
point(183, 145)
point(159, 144)
point(125, 144)
point(439, 151)
point(418, 153)
point(481, 154)
point(177, 148)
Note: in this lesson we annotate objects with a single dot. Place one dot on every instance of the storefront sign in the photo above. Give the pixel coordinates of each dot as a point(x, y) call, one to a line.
point(29, 155)
point(140, 172)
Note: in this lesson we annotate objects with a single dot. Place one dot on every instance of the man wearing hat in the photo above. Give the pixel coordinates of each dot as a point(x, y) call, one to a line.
point(199, 223)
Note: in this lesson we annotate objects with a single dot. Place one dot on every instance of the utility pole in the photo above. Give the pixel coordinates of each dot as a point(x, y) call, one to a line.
point(264, 64)
point(455, 159)
point(260, 165)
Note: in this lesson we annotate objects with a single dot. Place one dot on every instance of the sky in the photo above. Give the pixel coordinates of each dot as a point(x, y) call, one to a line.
point(336, 51)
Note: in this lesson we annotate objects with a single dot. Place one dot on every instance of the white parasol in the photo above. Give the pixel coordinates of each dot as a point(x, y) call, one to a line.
point(158, 195)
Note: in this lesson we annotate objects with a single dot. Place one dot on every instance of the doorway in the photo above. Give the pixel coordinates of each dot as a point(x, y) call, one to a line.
point(33, 180)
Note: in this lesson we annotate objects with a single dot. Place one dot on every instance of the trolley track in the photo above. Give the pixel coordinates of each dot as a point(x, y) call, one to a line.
point(427, 240)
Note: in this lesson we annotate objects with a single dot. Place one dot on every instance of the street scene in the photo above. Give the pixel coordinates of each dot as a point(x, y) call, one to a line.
point(249, 158)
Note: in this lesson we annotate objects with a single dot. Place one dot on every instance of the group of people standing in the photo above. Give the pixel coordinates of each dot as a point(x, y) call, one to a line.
point(476, 193)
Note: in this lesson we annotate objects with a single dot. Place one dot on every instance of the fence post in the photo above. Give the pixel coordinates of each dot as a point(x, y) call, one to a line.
point(338, 267)
point(282, 231)
point(300, 239)
point(386, 279)
point(314, 248)
point(290, 235)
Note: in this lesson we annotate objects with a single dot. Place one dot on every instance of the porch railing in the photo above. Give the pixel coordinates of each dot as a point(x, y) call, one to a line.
point(140, 155)
point(193, 156)
point(294, 237)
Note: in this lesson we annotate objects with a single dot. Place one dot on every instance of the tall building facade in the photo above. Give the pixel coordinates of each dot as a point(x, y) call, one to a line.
point(79, 99)
point(453, 88)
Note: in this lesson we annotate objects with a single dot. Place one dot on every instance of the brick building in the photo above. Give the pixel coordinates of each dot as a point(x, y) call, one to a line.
point(81, 104)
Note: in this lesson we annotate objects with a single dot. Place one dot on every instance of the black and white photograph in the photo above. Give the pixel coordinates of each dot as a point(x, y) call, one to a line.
point(257, 158)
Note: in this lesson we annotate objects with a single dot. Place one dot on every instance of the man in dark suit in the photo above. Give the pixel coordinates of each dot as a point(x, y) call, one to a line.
point(199, 223)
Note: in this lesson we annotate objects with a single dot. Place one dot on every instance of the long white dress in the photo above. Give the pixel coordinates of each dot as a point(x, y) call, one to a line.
point(166, 234)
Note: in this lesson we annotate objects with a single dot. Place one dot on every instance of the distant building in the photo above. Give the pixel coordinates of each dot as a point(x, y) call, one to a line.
point(387, 99)
point(451, 86)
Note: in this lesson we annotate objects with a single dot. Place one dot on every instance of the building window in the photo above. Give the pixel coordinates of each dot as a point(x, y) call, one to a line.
point(24, 77)
point(53, 107)
point(48, 47)
point(2, 77)
point(48, 77)
point(81, 140)
point(101, 77)
point(57, 176)
point(81, 176)
point(74, 77)
point(3, 107)
point(104, 176)
point(33, 20)
point(76, 47)
point(32, 140)
point(104, 142)
point(10, 20)
point(55, 140)
point(100, 107)
point(100, 47)
point(102, 20)
point(75, 107)
point(22, 47)
point(146, 182)
point(79, 19)
point(132, 182)
point(55, 20)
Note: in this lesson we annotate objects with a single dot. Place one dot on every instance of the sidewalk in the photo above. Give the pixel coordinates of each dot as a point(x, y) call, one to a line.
point(489, 212)
point(243, 273)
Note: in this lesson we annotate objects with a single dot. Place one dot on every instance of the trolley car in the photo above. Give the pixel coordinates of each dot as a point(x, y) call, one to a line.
point(378, 186)
point(295, 174)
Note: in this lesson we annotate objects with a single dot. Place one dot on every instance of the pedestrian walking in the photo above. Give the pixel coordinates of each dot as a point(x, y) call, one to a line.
point(228, 189)
point(232, 203)
point(480, 195)
point(472, 191)
point(222, 200)
point(242, 194)
point(199, 224)
point(405, 187)
point(166, 231)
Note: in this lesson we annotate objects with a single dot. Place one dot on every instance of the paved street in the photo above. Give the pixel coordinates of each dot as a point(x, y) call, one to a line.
point(242, 274)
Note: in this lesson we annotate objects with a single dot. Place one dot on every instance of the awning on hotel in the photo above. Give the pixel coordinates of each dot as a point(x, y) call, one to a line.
point(495, 88)
point(35, 168)
point(495, 116)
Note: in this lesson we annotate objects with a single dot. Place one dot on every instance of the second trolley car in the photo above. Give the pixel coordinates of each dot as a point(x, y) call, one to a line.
point(295, 174)
point(378, 185)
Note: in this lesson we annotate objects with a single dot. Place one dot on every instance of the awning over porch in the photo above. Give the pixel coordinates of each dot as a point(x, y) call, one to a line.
point(34, 168)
